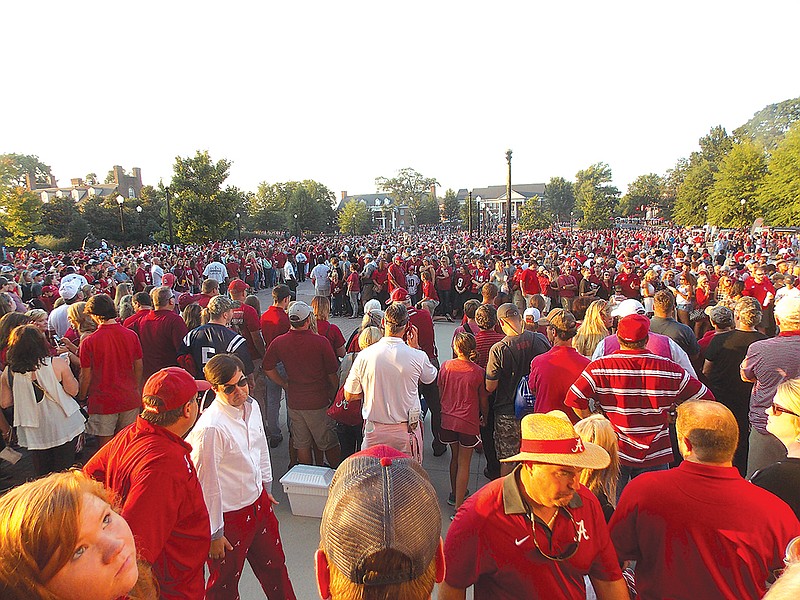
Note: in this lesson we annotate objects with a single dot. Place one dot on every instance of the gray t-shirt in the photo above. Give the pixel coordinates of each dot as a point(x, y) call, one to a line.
point(509, 360)
point(681, 334)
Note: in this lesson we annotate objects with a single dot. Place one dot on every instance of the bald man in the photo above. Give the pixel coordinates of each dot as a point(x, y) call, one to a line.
point(701, 530)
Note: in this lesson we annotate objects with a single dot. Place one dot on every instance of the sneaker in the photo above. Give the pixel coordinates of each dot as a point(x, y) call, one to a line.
point(451, 499)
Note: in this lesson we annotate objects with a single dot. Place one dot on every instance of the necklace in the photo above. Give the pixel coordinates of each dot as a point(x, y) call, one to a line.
point(552, 520)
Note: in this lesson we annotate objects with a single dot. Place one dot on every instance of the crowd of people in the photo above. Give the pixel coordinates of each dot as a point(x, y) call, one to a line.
point(635, 393)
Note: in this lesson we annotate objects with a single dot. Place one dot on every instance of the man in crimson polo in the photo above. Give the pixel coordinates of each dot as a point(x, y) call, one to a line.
point(396, 274)
point(160, 331)
point(629, 281)
point(111, 371)
point(536, 532)
point(142, 278)
point(529, 282)
point(310, 382)
point(700, 530)
point(148, 466)
point(275, 322)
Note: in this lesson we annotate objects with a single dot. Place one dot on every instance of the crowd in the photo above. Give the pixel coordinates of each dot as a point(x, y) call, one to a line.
point(636, 394)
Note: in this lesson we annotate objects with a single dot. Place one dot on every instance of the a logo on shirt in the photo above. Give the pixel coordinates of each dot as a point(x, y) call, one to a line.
point(522, 541)
point(581, 531)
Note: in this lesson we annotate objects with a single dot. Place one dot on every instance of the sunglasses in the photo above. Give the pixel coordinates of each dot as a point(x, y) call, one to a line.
point(568, 552)
point(777, 409)
point(229, 388)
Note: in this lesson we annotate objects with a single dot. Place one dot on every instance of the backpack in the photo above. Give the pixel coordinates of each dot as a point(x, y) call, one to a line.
point(524, 399)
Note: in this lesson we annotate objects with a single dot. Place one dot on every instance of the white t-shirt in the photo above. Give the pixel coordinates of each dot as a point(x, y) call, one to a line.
point(216, 270)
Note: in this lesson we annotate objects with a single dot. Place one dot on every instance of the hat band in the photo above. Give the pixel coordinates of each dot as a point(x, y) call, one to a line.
point(567, 446)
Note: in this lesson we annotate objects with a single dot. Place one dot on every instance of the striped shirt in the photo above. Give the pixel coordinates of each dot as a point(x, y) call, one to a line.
point(208, 340)
point(635, 390)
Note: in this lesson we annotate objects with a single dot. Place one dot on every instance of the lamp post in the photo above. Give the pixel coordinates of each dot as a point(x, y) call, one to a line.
point(705, 209)
point(744, 222)
point(169, 218)
point(478, 208)
point(239, 226)
point(508, 203)
point(571, 218)
point(120, 200)
point(141, 227)
point(296, 230)
point(469, 214)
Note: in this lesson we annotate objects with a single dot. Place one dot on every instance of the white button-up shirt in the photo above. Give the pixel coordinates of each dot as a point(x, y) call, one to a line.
point(230, 453)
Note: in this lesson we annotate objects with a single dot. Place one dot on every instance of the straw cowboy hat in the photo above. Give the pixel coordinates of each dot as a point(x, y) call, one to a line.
point(550, 438)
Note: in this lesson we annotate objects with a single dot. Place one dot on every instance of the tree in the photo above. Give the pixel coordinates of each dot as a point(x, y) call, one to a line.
point(273, 206)
point(465, 213)
point(594, 196)
point(407, 188)
point(21, 216)
point(738, 179)
point(14, 167)
point(534, 214)
point(450, 206)
point(715, 145)
point(645, 191)
point(560, 194)
point(202, 209)
point(354, 218)
point(428, 213)
point(57, 214)
point(91, 178)
point(780, 188)
point(692, 194)
point(769, 125)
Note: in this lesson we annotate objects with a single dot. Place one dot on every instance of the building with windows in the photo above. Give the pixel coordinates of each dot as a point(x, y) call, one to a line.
point(491, 201)
point(386, 215)
point(128, 185)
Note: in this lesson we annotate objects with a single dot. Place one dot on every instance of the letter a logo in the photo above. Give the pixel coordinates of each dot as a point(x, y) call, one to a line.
point(578, 446)
point(581, 531)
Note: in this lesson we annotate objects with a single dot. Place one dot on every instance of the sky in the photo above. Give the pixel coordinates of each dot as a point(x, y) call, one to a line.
point(343, 92)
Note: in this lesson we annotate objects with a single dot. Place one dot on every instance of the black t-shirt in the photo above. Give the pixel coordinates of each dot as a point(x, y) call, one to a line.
point(727, 351)
point(509, 360)
point(681, 334)
point(783, 480)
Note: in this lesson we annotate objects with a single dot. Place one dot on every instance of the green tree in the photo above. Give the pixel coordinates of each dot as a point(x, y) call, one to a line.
point(739, 177)
point(595, 197)
point(693, 192)
point(534, 215)
point(202, 209)
point(645, 190)
point(768, 126)
point(102, 217)
point(715, 145)
point(354, 218)
point(428, 213)
point(21, 215)
point(465, 214)
point(450, 206)
point(57, 214)
point(780, 189)
point(273, 206)
point(14, 167)
point(560, 194)
point(408, 188)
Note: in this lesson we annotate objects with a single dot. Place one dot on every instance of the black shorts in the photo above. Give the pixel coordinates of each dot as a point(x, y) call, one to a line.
point(463, 439)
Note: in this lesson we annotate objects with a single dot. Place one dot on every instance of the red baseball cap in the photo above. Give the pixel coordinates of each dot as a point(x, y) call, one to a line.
point(398, 295)
point(174, 387)
point(633, 328)
point(237, 285)
point(168, 279)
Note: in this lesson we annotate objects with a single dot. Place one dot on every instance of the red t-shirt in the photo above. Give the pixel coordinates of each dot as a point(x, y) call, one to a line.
point(331, 333)
point(308, 359)
point(529, 282)
point(422, 320)
point(489, 544)
point(484, 340)
point(459, 381)
point(274, 322)
point(162, 502)
point(353, 283)
point(429, 291)
point(110, 353)
point(160, 332)
point(700, 531)
point(131, 321)
point(552, 374)
point(246, 323)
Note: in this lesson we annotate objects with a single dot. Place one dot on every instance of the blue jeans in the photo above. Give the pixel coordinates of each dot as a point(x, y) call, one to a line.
point(274, 394)
point(626, 474)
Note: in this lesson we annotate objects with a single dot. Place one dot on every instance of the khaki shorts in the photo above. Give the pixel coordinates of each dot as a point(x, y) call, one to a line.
point(312, 427)
point(108, 425)
point(507, 435)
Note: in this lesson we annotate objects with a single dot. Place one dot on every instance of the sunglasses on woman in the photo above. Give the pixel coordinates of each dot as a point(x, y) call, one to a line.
point(229, 388)
point(777, 409)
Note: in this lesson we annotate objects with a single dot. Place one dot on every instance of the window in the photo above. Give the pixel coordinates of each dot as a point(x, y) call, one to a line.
point(131, 193)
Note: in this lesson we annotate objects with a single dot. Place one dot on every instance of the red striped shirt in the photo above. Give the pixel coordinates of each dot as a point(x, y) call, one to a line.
point(634, 389)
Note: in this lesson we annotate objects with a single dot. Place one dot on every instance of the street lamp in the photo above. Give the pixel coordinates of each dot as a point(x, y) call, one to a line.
point(469, 214)
point(239, 225)
point(571, 218)
point(296, 230)
point(508, 204)
point(120, 200)
point(478, 208)
point(141, 227)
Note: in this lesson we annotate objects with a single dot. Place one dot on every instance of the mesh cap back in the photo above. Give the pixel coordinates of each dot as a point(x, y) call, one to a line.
point(379, 506)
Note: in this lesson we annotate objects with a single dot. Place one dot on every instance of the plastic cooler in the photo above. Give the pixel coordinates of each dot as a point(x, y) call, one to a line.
point(307, 488)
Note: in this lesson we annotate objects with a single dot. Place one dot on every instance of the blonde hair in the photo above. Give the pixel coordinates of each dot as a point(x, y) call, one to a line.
point(41, 525)
point(788, 396)
point(123, 289)
point(321, 307)
point(592, 330)
point(598, 430)
point(369, 336)
point(36, 313)
point(77, 312)
point(417, 589)
point(464, 343)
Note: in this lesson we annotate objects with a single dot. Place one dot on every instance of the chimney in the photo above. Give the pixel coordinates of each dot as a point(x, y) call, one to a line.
point(344, 195)
point(76, 182)
point(119, 173)
point(53, 182)
point(433, 190)
point(136, 172)
point(29, 182)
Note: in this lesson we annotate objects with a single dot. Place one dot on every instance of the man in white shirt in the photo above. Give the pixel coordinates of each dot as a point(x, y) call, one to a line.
point(229, 450)
point(216, 270)
point(386, 376)
point(320, 277)
point(156, 272)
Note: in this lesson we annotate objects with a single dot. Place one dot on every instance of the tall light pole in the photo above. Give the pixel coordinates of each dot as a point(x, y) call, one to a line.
point(469, 214)
point(296, 230)
point(478, 208)
point(169, 218)
point(239, 225)
point(508, 203)
point(141, 227)
point(120, 200)
point(744, 222)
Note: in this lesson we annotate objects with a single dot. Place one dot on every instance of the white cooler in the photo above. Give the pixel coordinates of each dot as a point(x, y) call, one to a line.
point(307, 488)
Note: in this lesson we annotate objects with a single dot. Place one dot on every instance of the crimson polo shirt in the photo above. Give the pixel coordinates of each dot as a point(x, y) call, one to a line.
point(422, 320)
point(552, 374)
point(274, 322)
point(489, 545)
point(161, 333)
point(529, 280)
point(151, 470)
point(110, 353)
point(309, 360)
point(700, 531)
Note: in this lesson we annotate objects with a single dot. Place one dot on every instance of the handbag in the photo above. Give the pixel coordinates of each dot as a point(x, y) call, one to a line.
point(524, 399)
point(346, 412)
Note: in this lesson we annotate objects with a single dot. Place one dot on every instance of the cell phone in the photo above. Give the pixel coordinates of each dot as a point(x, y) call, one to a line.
point(56, 340)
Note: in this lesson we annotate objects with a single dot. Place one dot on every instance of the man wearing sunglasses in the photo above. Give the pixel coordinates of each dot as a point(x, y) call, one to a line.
point(536, 532)
point(700, 530)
